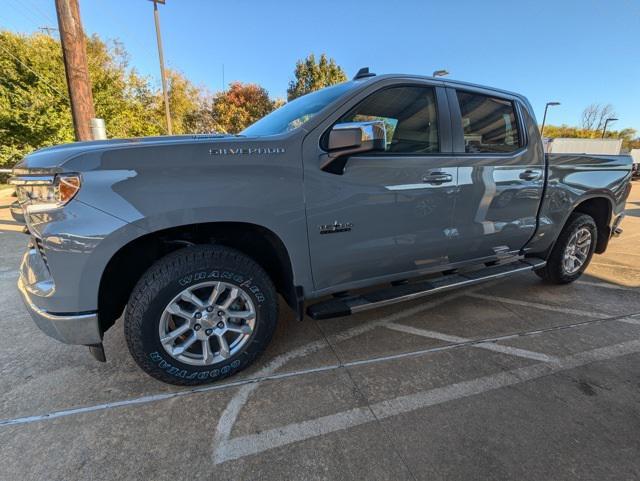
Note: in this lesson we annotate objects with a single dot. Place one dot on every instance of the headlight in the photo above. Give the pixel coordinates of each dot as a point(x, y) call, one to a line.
point(43, 193)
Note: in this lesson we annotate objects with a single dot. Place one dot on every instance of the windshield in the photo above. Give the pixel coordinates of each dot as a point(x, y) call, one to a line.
point(295, 113)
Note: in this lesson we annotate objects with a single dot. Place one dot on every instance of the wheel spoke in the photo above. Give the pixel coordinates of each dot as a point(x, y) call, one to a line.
point(178, 350)
point(207, 353)
point(233, 295)
point(214, 294)
point(248, 315)
point(176, 310)
point(239, 328)
point(224, 346)
point(173, 335)
point(190, 297)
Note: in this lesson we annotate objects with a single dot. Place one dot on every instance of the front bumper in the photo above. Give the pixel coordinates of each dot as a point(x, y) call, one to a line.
point(68, 328)
point(35, 285)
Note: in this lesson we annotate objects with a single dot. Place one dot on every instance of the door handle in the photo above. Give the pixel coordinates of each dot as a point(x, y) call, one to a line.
point(437, 178)
point(530, 174)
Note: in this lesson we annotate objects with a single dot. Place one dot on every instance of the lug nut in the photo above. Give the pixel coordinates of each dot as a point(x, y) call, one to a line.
point(220, 325)
point(221, 313)
point(198, 315)
point(197, 327)
point(209, 309)
point(208, 332)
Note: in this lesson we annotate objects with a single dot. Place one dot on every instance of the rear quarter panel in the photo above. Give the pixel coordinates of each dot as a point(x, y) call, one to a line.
point(572, 179)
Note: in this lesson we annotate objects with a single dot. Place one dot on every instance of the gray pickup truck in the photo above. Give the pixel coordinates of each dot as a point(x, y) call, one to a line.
point(401, 184)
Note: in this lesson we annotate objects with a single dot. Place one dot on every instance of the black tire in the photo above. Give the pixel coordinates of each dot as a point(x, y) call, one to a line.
point(554, 272)
point(171, 275)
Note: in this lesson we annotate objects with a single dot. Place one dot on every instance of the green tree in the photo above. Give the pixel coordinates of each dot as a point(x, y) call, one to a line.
point(238, 107)
point(34, 104)
point(34, 101)
point(311, 75)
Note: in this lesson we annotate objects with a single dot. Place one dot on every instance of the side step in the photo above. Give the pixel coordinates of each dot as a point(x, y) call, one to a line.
point(344, 306)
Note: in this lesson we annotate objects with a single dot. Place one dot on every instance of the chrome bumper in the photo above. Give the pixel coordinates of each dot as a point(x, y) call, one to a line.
point(68, 328)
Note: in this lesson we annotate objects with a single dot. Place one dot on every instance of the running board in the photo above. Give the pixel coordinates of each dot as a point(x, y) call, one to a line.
point(347, 305)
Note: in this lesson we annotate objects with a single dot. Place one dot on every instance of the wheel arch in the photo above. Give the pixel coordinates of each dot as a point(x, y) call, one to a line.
point(129, 263)
point(600, 208)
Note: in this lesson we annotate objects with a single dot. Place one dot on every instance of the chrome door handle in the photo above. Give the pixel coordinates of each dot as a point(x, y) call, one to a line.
point(530, 174)
point(437, 178)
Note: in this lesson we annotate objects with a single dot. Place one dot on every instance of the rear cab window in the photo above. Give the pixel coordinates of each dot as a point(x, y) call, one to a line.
point(490, 124)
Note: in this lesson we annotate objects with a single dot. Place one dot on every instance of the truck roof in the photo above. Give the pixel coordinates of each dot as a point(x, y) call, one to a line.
point(443, 80)
point(449, 82)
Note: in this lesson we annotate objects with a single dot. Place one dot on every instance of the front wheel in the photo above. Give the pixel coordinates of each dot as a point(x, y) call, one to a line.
point(573, 250)
point(200, 314)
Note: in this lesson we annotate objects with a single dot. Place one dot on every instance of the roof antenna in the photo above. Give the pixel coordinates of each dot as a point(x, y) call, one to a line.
point(363, 73)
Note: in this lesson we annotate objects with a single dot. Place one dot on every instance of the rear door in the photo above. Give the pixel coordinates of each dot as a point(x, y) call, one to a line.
point(392, 210)
point(500, 174)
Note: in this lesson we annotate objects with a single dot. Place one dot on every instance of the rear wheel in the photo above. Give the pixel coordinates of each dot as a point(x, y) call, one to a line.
point(573, 250)
point(200, 314)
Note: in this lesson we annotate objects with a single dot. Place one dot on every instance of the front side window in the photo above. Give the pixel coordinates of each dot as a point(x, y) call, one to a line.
point(409, 115)
point(489, 123)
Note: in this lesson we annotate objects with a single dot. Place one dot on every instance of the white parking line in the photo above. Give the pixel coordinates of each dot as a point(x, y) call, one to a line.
point(537, 305)
point(237, 402)
point(490, 346)
point(240, 447)
point(607, 285)
point(630, 320)
point(616, 266)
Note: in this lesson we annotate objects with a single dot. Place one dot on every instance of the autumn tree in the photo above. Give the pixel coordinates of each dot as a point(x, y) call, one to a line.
point(239, 106)
point(311, 75)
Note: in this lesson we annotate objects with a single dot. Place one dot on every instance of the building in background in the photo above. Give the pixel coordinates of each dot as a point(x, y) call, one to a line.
point(583, 146)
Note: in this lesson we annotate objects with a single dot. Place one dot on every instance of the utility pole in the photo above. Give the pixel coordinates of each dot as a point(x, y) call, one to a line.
point(167, 111)
point(74, 52)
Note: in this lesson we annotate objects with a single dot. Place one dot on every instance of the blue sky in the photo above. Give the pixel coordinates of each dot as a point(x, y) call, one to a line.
point(575, 52)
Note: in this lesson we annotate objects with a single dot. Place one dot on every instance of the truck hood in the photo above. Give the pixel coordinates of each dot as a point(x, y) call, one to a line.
point(51, 159)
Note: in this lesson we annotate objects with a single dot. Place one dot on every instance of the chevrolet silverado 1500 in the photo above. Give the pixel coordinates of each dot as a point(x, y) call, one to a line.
point(412, 184)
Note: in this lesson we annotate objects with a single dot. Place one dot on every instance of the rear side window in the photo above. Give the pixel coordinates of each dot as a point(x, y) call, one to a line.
point(489, 123)
point(409, 115)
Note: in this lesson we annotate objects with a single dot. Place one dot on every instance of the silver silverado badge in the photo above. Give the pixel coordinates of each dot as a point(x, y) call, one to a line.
point(335, 227)
point(247, 151)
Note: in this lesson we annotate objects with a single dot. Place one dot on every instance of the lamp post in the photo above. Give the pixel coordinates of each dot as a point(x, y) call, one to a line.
point(163, 74)
point(604, 129)
point(544, 117)
point(441, 73)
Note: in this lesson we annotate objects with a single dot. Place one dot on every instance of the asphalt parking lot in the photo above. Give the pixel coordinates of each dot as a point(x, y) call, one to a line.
point(509, 380)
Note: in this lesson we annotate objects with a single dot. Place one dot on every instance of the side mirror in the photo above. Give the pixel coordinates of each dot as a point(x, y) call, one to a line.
point(352, 138)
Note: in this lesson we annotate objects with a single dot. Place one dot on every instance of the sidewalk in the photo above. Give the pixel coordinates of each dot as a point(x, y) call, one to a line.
point(6, 220)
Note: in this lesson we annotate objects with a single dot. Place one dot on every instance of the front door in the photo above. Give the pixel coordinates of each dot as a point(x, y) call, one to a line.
point(500, 175)
point(389, 213)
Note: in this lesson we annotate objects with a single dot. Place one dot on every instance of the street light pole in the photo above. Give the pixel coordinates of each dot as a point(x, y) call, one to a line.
point(544, 117)
point(604, 129)
point(163, 73)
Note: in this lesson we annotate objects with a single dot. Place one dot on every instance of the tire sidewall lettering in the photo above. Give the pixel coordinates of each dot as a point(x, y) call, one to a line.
point(239, 279)
point(157, 358)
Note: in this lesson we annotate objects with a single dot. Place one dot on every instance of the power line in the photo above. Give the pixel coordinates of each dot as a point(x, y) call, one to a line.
point(18, 8)
point(43, 14)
